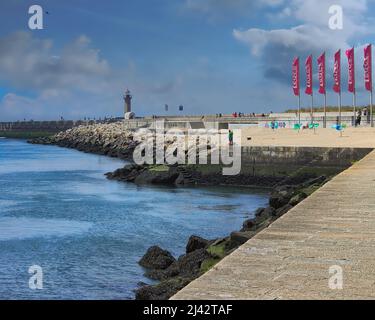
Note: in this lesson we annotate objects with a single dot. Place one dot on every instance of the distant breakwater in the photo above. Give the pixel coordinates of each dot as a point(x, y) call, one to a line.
point(105, 139)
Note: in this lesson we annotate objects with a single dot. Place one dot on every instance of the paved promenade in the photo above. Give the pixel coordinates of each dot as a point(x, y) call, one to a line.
point(291, 258)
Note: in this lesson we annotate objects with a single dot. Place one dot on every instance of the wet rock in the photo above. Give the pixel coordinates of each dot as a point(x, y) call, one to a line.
point(195, 243)
point(281, 196)
point(157, 258)
point(163, 290)
point(188, 265)
point(142, 284)
point(157, 177)
point(259, 211)
point(129, 173)
point(41, 140)
point(180, 180)
point(249, 224)
point(319, 180)
point(268, 212)
point(297, 198)
point(276, 201)
point(162, 275)
point(241, 237)
point(284, 209)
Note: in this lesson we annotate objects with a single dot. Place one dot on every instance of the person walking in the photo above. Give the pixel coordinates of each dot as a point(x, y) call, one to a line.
point(359, 118)
point(230, 137)
point(273, 125)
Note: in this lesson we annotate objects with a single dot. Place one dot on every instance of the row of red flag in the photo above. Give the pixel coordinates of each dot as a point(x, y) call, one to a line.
point(367, 65)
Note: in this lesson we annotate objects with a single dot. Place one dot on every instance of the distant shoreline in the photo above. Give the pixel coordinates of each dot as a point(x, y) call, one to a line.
point(25, 134)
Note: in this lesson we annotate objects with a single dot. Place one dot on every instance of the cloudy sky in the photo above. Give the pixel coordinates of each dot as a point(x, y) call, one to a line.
point(209, 55)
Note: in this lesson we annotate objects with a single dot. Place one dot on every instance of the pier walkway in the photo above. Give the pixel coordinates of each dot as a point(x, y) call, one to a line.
point(291, 259)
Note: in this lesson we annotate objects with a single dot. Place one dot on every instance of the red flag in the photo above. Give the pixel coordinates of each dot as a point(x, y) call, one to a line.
point(337, 72)
point(295, 76)
point(309, 79)
point(367, 65)
point(322, 73)
point(351, 75)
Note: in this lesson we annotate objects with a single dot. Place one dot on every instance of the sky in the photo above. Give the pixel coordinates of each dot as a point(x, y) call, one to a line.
point(211, 56)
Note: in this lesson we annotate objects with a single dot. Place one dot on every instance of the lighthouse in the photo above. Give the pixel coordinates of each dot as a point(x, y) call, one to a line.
point(128, 101)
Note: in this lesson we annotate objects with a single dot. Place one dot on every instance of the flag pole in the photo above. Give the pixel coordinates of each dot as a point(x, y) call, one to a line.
point(325, 95)
point(312, 108)
point(354, 108)
point(325, 111)
point(371, 113)
point(354, 90)
point(340, 114)
point(299, 108)
point(337, 83)
point(339, 109)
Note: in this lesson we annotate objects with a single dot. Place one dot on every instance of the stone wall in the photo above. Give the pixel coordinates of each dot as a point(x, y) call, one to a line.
point(302, 155)
point(269, 165)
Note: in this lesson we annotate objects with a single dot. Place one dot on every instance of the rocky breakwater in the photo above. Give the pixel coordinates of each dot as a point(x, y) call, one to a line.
point(201, 254)
point(107, 139)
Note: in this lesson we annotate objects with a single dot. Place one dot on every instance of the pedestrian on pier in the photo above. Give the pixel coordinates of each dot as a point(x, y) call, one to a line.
point(359, 118)
point(230, 137)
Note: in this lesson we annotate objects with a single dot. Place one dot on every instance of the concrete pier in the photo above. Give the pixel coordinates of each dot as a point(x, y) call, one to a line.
point(333, 228)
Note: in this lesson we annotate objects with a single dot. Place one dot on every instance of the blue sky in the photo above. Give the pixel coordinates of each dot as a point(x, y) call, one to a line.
point(209, 55)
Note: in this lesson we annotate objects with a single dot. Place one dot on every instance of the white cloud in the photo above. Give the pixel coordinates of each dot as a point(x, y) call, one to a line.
point(30, 63)
point(74, 81)
point(276, 48)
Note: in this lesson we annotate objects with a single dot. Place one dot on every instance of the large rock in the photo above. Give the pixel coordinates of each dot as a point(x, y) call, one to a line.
point(196, 243)
point(284, 209)
point(261, 216)
point(318, 180)
point(157, 177)
point(157, 274)
point(297, 198)
point(241, 237)
point(249, 224)
point(188, 265)
point(163, 290)
point(268, 212)
point(157, 258)
point(259, 211)
point(127, 173)
point(281, 196)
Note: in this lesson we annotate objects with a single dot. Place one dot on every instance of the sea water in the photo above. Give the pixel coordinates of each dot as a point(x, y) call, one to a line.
point(58, 211)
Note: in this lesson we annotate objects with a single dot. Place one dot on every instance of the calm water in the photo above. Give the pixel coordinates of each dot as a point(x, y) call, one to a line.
point(58, 211)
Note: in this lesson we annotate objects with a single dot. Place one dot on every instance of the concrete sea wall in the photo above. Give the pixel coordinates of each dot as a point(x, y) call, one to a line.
point(267, 166)
point(285, 159)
